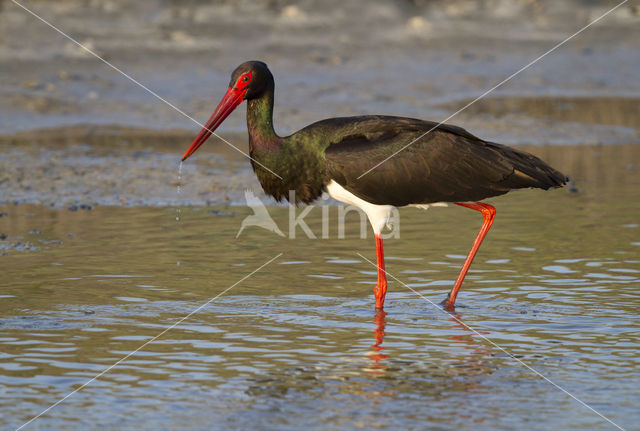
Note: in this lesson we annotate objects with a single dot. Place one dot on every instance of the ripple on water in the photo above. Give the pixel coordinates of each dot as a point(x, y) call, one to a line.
point(346, 261)
point(559, 269)
point(130, 299)
point(497, 261)
point(329, 276)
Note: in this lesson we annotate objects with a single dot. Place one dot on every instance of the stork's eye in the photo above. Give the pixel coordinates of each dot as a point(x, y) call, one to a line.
point(243, 81)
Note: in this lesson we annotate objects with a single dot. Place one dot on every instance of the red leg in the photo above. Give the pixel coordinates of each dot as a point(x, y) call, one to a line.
point(381, 288)
point(488, 214)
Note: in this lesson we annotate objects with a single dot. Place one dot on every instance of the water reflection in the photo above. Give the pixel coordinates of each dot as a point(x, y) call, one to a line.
point(470, 352)
point(376, 355)
point(477, 351)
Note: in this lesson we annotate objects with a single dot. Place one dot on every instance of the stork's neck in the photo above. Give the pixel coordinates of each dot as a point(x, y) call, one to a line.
point(260, 121)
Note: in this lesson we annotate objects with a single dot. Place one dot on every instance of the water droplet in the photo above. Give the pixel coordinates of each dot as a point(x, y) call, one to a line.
point(178, 191)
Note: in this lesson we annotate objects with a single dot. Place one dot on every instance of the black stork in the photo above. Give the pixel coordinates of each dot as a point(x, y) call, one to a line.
point(444, 164)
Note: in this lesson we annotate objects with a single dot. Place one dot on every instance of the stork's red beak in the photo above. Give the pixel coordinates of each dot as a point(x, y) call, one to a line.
point(229, 102)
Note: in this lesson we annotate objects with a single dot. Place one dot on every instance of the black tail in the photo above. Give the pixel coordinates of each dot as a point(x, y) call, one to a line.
point(529, 170)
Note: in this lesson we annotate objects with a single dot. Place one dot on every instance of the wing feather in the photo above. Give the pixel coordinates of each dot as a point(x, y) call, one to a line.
point(447, 164)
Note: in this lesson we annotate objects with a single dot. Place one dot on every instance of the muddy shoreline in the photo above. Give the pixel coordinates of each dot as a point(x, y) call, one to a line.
point(79, 168)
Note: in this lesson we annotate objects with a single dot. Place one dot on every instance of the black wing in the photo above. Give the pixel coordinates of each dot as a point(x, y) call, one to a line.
point(448, 164)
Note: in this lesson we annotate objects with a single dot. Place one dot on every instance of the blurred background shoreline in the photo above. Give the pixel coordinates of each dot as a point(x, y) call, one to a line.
point(423, 59)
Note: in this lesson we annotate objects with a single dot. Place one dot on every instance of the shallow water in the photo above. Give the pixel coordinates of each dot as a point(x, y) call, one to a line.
point(298, 343)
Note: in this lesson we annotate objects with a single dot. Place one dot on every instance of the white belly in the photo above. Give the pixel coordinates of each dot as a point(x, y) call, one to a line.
point(378, 214)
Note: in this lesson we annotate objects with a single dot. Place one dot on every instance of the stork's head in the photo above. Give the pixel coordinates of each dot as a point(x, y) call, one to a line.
point(248, 81)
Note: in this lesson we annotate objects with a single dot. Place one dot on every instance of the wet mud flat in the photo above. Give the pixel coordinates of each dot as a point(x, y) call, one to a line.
point(76, 134)
point(83, 166)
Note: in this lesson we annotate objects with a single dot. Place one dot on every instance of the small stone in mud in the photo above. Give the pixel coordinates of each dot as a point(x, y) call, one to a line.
point(293, 13)
point(51, 241)
point(572, 187)
point(418, 23)
point(4, 215)
point(221, 213)
point(31, 84)
point(70, 235)
point(74, 207)
point(3, 236)
point(35, 232)
point(21, 246)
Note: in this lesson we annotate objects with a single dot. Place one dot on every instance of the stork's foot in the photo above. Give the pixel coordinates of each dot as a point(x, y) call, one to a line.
point(448, 305)
point(380, 292)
